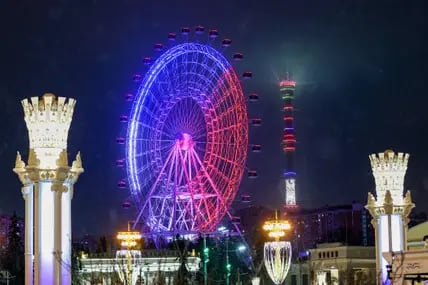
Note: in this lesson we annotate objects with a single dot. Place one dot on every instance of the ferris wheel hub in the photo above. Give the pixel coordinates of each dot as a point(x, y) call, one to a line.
point(185, 141)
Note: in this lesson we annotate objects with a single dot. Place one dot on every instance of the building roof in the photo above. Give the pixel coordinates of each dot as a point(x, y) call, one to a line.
point(418, 232)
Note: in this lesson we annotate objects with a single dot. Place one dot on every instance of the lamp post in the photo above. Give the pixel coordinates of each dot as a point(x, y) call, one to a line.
point(277, 253)
point(224, 232)
point(228, 265)
point(128, 240)
point(206, 252)
point(241, 248)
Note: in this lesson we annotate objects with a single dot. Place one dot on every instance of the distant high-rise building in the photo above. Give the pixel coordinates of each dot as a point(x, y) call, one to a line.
point(348, 224)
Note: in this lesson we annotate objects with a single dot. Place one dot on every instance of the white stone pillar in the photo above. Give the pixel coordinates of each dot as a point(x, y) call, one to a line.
point(46, 232)
point(57, 235)
point(36, 233)
point(66, 198)
point(48, 120)
point(28, 194)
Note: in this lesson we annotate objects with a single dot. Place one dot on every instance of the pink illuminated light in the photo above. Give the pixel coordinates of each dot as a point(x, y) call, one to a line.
point(287, 83)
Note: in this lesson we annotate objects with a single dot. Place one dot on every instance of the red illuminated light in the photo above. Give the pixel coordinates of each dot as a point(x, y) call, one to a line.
point(287, 83)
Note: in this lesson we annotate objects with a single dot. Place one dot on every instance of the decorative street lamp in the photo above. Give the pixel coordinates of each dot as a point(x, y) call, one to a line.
point(128, 241)
point(277, 254)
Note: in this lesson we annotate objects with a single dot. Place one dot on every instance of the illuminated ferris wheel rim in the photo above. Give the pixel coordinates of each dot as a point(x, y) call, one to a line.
point(215, 89)
point(142, 94)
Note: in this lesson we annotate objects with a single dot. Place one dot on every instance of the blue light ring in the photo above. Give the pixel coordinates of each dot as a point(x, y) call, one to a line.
point(145, 87)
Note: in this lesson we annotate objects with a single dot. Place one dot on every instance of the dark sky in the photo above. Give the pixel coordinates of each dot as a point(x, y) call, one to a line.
point(361, 69)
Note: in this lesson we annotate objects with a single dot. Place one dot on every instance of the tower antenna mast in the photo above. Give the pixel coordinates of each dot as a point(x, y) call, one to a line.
point(287, 88)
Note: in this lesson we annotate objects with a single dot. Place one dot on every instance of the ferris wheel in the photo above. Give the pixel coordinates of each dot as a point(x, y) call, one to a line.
point(187, 137)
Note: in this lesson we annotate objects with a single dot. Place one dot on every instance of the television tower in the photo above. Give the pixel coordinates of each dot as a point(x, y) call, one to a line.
point(47, 182)
point(287, 88)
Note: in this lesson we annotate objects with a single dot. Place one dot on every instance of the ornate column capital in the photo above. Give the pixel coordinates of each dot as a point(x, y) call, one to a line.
point(27, 189)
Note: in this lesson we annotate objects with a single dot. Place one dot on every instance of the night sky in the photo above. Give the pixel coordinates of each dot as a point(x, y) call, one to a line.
point(360, 66)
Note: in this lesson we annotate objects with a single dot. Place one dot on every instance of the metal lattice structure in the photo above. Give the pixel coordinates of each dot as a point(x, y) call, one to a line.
point(187, 140)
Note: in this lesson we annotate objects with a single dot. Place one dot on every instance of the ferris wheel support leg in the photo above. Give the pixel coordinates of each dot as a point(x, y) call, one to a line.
point(211, 182)
point(188, 176)
point(153, 189)
point(203, 194)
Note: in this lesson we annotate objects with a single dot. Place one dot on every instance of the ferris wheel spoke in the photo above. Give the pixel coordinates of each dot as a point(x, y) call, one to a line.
point(169, 128)
point(200, 142)
point(150, 150)
point(221, 143)
point(149, 170)
point(151, 140)
point(146, 112)
point(164, 146)
point(144, 125)
point(199, 134)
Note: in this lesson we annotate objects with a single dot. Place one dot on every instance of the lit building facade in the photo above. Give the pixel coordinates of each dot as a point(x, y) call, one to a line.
point(299, 273)
point(410, 266)
point(390, 209)
point(149, 267)
point(47, 189)
point(335, 263)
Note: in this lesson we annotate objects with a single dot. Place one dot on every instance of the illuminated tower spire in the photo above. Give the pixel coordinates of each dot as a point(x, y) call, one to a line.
point(48, 189)
point(289, 141)
point(389, 210)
